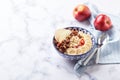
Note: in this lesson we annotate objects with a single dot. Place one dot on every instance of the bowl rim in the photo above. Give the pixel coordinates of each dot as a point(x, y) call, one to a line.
point(84, 54)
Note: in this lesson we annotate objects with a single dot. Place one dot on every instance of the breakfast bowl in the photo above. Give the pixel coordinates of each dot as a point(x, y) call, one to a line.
point(74, 43)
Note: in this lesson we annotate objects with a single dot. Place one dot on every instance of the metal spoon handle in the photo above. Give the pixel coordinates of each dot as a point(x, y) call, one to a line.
point(85, 62)
point(98, 55)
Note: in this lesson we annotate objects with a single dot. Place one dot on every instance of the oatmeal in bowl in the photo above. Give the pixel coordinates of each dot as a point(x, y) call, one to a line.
point(73, 42)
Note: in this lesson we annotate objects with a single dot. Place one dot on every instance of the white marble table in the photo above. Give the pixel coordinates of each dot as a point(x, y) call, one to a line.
point(26, 31)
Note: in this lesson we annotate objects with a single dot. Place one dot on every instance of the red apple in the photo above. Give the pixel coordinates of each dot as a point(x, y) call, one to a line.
point(102, 22)
point(81, 12)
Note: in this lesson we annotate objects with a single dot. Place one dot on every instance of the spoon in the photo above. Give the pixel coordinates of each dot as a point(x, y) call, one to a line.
point(100, 41)
point(81, 66)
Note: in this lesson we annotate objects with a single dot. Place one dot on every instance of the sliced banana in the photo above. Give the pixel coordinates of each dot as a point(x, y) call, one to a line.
point(71, 51)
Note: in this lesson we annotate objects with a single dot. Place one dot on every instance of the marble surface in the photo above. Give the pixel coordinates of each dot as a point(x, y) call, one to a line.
point(26, 31)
